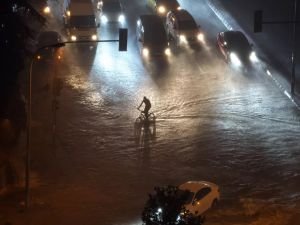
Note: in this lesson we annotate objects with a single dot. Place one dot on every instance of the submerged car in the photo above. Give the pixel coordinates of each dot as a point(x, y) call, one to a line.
point(162, 7)
point(111, 11)
point(183, 29)
point(235, 48)
point(152, 37)
point(200, 196)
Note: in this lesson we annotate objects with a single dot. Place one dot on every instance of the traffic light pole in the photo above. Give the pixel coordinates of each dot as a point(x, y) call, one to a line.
point(293, 76)
point(258, 21)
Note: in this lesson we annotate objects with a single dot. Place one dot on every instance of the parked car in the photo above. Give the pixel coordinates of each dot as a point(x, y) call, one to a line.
point(183, 29)
point(235, 48)
point(111, 11)
point(162, 7)
point(201, 196)
point(152, 37)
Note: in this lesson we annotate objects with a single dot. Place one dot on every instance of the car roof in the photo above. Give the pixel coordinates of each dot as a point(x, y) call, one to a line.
point(175, 2)
point(235, 36)
point(194, 186)
point(115, 4)
point(182, 14)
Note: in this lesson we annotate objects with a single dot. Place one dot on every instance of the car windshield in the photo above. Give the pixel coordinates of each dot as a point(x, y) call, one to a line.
point(186, 195)
point(156, 37)
point(82, 21)
point(111, 7)
point(237, 41)
point(169, 4)
point(187, 24)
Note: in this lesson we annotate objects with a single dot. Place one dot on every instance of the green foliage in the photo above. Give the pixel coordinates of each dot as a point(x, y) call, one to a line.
point(166, 207)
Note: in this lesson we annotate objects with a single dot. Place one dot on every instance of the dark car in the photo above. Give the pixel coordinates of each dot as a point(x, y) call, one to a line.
point(47, 38)
point(235, 48)
point(152, 36)
point(162, 7)
point(111, 11)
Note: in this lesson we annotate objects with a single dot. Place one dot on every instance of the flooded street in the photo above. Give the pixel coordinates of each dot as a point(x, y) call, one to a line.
point(213, 123)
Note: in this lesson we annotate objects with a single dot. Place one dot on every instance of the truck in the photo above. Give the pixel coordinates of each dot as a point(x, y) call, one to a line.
point(81, 20)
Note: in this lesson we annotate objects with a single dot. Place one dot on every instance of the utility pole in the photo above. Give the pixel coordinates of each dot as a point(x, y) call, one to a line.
point(293, 76)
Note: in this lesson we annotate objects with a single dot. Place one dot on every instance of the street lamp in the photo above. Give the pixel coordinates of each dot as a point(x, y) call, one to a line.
point(123, 33)
point(28, 137)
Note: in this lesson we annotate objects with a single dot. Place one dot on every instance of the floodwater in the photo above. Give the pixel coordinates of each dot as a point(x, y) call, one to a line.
point(213, 122)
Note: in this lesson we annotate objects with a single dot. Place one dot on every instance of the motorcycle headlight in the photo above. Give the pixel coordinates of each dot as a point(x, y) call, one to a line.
point(161, 9)
point(145, 52)
point(73, 38)
point(235, 59)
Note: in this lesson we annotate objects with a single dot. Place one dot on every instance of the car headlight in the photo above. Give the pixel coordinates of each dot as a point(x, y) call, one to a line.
point(104, 19)
point(145, 52)
point(68, 13)
point(235, 59)
point(200, 37)
point(121, 18)
point(182, 38)
point(253, 57)
point(161, 9)
point(47, 10)
point(178, 8)
point(94, 37)
point(167, 51)
point(73, 38)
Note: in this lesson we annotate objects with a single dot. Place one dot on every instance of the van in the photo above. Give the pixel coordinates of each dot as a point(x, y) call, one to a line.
point(81, 20)
point(151, 36)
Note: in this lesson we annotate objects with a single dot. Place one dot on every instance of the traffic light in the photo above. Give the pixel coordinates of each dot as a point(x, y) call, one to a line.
point(258, 14)
point(123, 32)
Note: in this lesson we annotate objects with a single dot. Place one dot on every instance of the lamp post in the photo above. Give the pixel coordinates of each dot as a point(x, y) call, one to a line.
point(28, 137)
point(123, 32)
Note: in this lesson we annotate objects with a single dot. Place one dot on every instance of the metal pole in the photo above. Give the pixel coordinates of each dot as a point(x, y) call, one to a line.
point(294, 50)
point(28, 137)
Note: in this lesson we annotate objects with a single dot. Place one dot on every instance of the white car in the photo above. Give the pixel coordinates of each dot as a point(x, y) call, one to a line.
point(201, 196)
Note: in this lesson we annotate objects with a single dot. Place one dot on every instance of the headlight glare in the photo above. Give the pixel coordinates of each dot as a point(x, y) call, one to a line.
point(94, 37)
point(200, 37)
point(73, 38)
point(145, 52)
point(167, 51)
point(182, 38)
point(104, 19)
point(235, 59)
point(253, 57)
point(161, 9)
point(121, 18)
